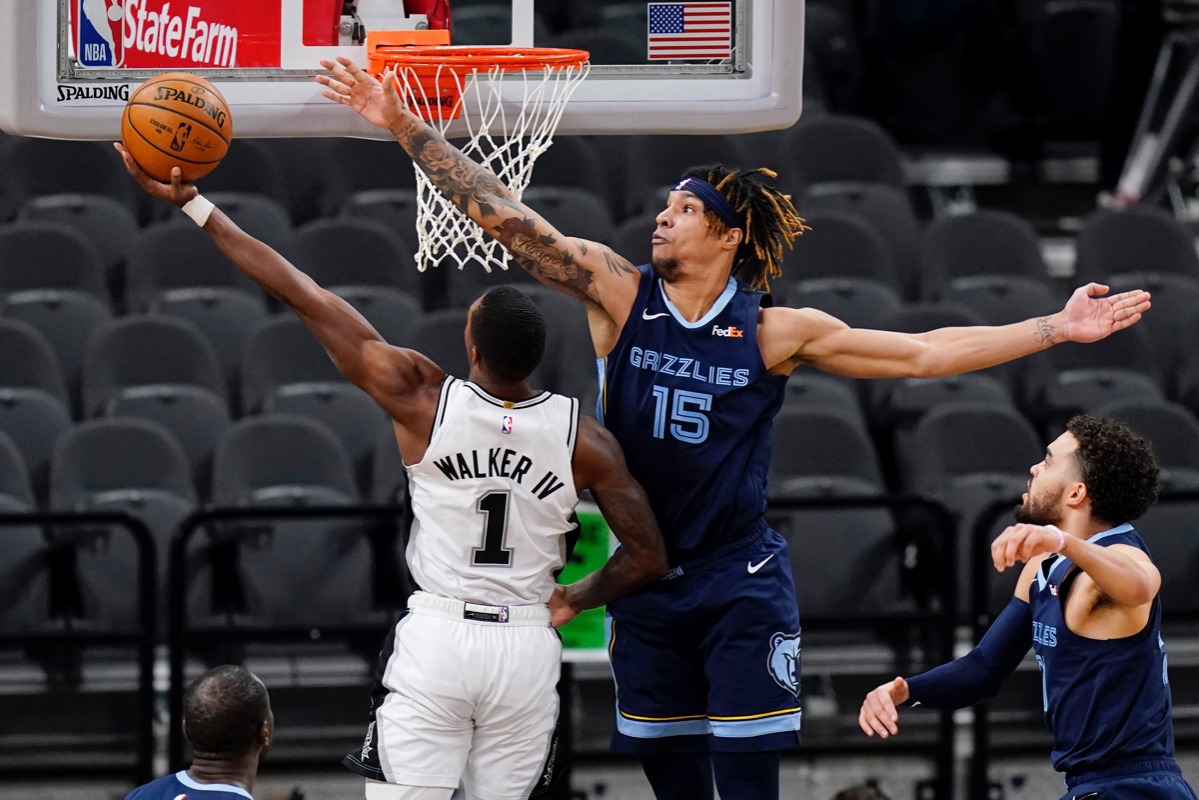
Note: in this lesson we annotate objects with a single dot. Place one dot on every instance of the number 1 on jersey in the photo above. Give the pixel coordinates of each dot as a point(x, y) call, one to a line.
point(684, 412)
point(494, 508)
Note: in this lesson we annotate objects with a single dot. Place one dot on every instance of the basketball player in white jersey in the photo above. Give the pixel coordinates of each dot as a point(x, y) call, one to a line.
point(467, 686)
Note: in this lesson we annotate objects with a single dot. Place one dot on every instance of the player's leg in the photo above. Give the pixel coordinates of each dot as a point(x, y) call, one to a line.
point(512, 750)
point(661, 690)
point(421, 731)
point(753, 668)
point(377, 790)
point(679, 776)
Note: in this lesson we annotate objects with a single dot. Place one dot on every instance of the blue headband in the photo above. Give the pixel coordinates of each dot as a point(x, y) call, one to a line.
point(714, 201)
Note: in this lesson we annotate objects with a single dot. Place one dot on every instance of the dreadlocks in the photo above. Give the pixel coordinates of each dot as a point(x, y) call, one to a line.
point(771, 221)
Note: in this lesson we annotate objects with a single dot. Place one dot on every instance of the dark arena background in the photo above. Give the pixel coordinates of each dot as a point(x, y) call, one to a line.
point(186, 480)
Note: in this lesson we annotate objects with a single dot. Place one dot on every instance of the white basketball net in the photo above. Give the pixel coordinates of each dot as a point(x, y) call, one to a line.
point(506, 143)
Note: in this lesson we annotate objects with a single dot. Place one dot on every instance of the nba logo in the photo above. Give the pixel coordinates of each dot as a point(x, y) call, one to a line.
point(506, 425)
point(99, 32)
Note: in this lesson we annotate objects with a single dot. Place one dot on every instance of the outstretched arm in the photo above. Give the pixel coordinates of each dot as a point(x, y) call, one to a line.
point(804, 336)
point(599, 465)
point(387, 373)
point(585, 269)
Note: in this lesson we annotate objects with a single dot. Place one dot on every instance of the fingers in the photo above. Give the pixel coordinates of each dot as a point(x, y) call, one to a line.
point(335, 97)
point(1126, 322)
point(333, 85)
point(874, 717)
point(176, 180)
point(389, 86)
point(1096, 289)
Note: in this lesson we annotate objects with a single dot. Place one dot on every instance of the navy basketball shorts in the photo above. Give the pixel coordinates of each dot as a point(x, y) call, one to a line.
point(1153, 779)
point(708, 660)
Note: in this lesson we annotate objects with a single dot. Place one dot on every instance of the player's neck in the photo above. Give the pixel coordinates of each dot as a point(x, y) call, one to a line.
point(512, 392)
point(1083, 525)
point(694, 292)
point(232, 772)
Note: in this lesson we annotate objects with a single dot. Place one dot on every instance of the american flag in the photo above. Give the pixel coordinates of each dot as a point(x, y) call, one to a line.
point(690, 30)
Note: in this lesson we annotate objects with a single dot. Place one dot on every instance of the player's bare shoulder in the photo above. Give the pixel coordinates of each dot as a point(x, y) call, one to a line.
point(783, 332)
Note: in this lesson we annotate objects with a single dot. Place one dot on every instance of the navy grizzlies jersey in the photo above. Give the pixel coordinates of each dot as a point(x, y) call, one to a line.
point(692, 405)
point(1106, 701)
point(181, 785)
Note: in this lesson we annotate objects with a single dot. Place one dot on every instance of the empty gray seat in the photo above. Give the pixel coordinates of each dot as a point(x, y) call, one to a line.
point(1138, 239)
point(224, 317)
point(394, 208)
point(287, 460)
point(196, 417)
point(1002, 299)
point(34, 420)
point(1175, 300)
point(390, 311)
point(840, 245)
point(279, 352)
point(652, 163)
point(632, 239)
point(109, 224)
point(1089, 375)
point(24, 557)
point(355, 252)
point(262, 216)
point(812, 389)
point(839, 149)
point(890, 212)
point(67, 319)
point(439, 336)
point(844, 448)
point(28, 361)
point(970, 456)
point(177, 255)
point(986, 242)
point(858, 302)
point(35, 166)
point(147, 350)
point(348, 411)
point(129, 465)
point(49, 255)
point(1172, 433)
point(249, 166)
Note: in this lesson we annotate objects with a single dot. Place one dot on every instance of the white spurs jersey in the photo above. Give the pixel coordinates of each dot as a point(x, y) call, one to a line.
point(493, 496)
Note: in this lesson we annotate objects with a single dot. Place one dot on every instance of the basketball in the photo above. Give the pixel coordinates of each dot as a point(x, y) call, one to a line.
point(177, 120)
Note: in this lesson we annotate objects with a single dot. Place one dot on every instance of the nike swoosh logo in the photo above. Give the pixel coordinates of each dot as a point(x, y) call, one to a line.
point(755, 567)
point(647, 315)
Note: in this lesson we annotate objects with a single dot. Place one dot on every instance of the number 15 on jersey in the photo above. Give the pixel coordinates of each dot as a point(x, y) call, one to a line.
point(687, 422)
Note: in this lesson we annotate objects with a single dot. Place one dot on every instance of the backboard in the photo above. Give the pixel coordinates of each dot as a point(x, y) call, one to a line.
point(709, 66)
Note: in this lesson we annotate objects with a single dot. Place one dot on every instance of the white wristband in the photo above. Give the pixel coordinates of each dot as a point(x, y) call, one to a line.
point(1061, 539)
point(199, 209)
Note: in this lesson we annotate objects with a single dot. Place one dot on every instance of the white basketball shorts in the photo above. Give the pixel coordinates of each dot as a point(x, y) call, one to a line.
point(465, 699)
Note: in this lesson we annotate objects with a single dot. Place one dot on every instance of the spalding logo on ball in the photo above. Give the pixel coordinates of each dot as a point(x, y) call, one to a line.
point(177, 120)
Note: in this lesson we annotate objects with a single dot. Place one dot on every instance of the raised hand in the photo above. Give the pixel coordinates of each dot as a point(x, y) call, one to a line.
point(176, 192)
point(878, 714)
point(1022, 542)
point(376, 102)
point(1090, 316)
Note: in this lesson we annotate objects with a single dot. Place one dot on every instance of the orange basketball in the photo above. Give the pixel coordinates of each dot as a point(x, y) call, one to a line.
point(177, 120)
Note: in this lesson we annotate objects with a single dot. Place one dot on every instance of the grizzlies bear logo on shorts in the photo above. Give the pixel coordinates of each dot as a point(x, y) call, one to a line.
point(784, 661)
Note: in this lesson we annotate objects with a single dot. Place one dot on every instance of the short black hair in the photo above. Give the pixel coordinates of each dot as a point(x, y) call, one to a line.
point(509, 332)
point(771, 221)
point(1117, 466)
point(224, 710)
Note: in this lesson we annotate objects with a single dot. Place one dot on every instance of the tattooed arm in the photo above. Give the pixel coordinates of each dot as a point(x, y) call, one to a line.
point(790, 337)
point(585, 269)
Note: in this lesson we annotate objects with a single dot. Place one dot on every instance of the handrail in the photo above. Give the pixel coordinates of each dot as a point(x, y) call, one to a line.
point(147, 615)
point(177, 605)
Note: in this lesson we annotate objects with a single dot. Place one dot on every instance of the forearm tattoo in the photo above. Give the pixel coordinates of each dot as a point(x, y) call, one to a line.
point(616, 264)
point(468, 184)
point(1046, 332)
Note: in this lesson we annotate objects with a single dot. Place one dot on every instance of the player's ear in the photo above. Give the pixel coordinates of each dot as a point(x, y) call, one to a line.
point(1077, 495)
point(731, 239)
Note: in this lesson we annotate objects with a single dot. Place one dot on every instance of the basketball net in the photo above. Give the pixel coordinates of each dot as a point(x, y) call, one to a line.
point(468, 83)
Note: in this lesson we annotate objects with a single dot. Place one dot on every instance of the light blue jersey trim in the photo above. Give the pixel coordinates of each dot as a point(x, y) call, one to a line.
point(717, 307)
point(601, 371)
point(745, 728)
point(657, 730)
point(1125, 528)
point(187, 781)
point(1058, 559)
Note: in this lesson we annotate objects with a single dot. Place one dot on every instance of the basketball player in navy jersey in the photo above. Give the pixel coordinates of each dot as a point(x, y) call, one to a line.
point(228, 720)
point(692, 365)
point(1087, 602)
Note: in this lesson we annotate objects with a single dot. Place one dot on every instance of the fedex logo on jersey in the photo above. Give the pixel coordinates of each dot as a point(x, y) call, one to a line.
point(731, 332)
point(506, 425)
point(141, 33)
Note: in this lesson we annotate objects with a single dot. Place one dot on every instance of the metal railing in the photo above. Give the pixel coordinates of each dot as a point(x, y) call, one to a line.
point(143, 637)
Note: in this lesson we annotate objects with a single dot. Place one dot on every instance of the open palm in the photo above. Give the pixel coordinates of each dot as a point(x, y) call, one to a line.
point(1090, 316)
point(376, 102)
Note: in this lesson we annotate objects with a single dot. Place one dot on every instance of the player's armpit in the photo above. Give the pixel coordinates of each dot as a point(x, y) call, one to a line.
point(599, 465)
